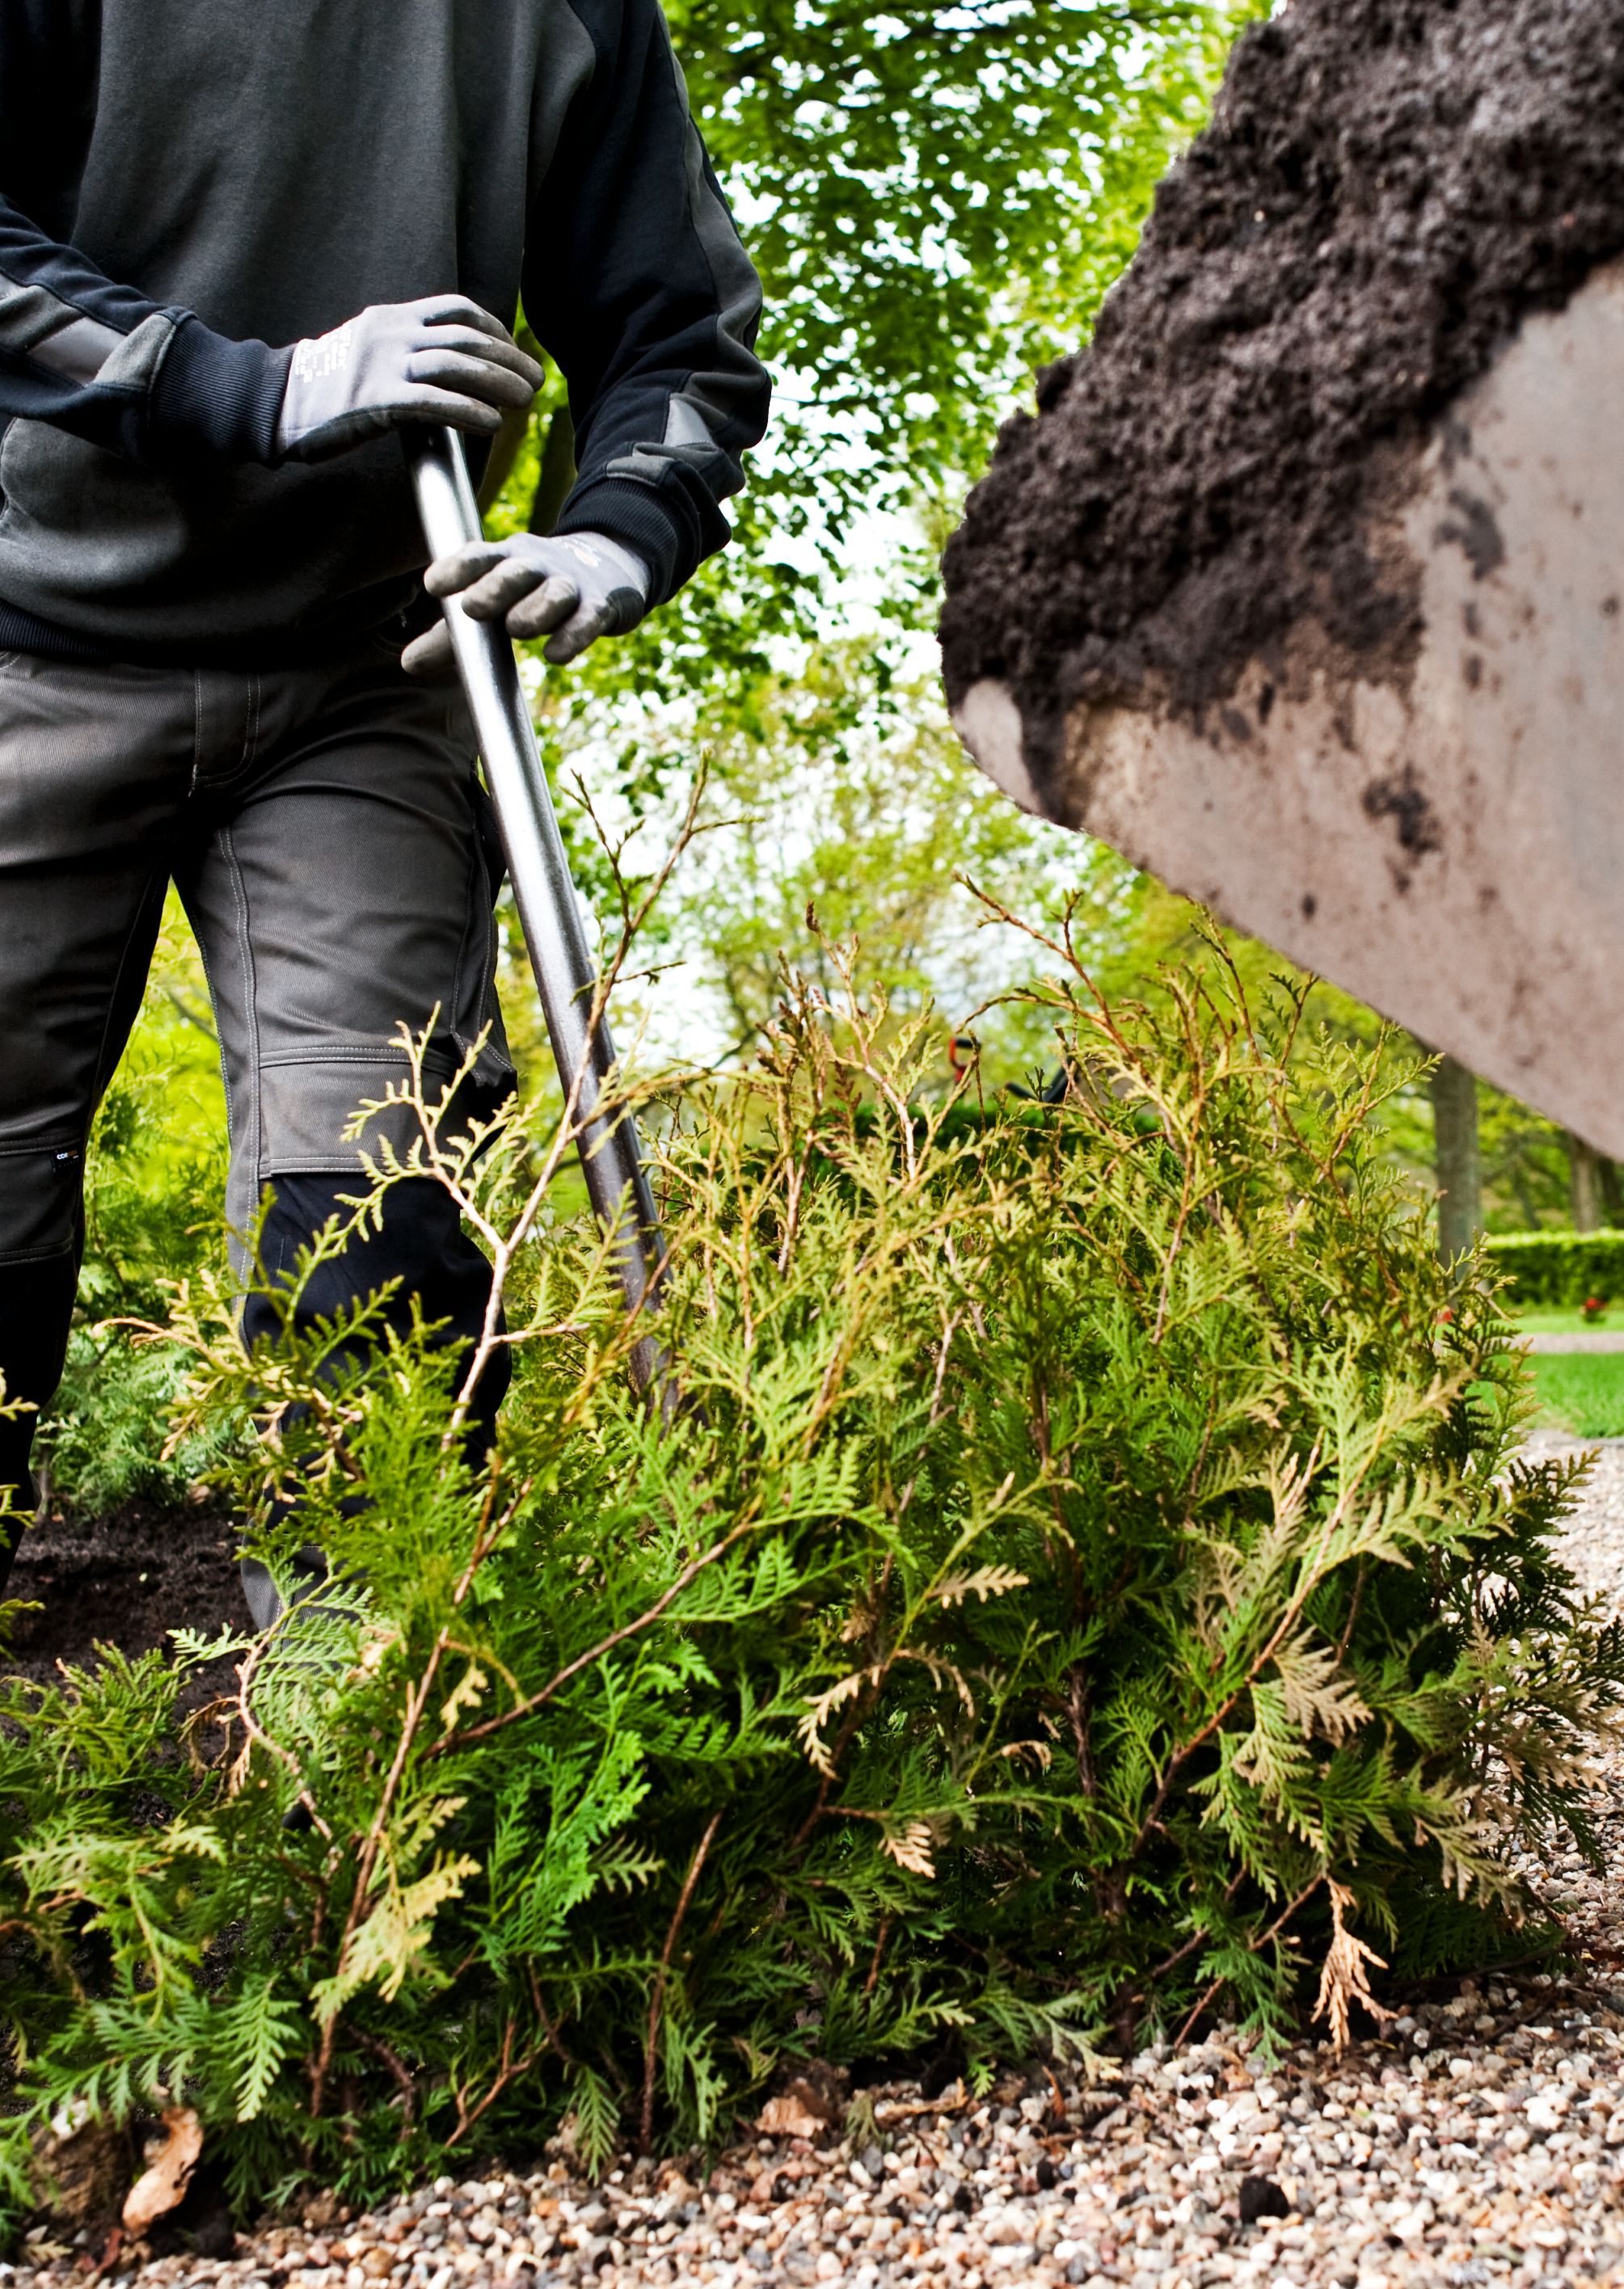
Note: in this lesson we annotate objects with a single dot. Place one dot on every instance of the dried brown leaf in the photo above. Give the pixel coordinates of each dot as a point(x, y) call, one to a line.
point(161, 2186)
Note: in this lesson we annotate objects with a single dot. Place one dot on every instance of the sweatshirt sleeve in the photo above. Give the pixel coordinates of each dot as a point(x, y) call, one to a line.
point(100, 360)
point(636, 283)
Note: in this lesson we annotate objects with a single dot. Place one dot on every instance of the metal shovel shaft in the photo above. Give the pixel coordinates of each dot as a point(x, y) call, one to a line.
point(566, 976)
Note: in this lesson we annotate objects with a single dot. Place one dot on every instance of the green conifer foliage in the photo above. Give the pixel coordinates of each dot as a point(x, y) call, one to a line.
point(1081, 1583)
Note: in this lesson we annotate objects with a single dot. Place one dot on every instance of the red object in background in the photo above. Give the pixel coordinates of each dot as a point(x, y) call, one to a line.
point(965, 1046)
point(1594, 1307)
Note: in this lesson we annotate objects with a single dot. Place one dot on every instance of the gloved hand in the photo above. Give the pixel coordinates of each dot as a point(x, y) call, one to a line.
point(441, 360)
point(577, 586)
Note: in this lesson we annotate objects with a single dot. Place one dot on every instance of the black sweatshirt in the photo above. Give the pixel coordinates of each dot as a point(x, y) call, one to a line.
point(217, 179)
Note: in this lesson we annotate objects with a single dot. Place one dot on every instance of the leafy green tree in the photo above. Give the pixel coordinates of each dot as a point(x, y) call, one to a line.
point(937, 196)
point(872, 828)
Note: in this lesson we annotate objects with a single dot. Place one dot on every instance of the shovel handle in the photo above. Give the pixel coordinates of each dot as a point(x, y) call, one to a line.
point(566, 976)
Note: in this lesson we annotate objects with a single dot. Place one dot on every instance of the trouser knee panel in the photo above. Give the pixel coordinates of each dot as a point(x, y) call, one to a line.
point(420, 1249)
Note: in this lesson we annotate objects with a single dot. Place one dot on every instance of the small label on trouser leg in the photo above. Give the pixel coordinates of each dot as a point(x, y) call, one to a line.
point(39, 1200)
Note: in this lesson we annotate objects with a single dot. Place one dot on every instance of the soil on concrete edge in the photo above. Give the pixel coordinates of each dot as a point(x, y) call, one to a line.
point(126, 1580)
point(1387, 188)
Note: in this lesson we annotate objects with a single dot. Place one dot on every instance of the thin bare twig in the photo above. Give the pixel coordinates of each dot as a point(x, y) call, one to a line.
point(1181, 1954)
point(1208, 1997)
point(872, 1980)
point(657, 1999)
point(510, 2071)
point(401, 2073)
point(256, 1732)
point(555, 1684)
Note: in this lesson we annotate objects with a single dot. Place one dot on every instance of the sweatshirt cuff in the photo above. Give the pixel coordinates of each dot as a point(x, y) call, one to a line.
point(215, 395)
point(635, 515)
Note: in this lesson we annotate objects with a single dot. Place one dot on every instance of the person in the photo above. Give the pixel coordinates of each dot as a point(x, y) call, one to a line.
point(243, 252)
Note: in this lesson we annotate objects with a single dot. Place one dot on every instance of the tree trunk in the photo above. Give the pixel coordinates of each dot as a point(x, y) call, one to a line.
point(1612, 1196)
point(1587, 1183)
point(1454, 1115)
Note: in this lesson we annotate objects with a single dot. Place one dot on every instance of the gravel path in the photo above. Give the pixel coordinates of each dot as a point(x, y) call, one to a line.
point(1482, 2139)
point(1581, 1339)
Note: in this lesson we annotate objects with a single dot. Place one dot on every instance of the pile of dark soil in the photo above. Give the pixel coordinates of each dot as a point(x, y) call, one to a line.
point(126, 1581)
point(1388, 185)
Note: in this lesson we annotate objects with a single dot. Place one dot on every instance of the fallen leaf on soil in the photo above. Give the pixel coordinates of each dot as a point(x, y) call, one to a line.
point(807, 2104)
point(951, 2099)
point(787, 2118)
point(162, 2187)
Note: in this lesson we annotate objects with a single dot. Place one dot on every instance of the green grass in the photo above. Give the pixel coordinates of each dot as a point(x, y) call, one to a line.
point(1583, 1391)
point(1549, 1320)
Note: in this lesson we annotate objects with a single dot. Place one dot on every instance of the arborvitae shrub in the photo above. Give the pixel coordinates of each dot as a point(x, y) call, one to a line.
point(1083, 1582)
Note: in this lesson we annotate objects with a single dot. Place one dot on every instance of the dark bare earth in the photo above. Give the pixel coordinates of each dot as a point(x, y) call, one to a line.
point(1388, 187)
point(124, 1581)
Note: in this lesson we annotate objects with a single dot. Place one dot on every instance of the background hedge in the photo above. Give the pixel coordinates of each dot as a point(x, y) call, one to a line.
point(1559, 1267)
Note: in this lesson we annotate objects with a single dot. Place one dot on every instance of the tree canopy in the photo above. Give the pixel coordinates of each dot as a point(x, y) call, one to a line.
point(937, 196)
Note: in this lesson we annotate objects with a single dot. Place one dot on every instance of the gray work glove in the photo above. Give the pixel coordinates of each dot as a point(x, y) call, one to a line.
point(576, 587)
point(441, 360)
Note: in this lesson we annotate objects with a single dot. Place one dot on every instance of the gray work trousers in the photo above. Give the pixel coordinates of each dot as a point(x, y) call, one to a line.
point(325, 829)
